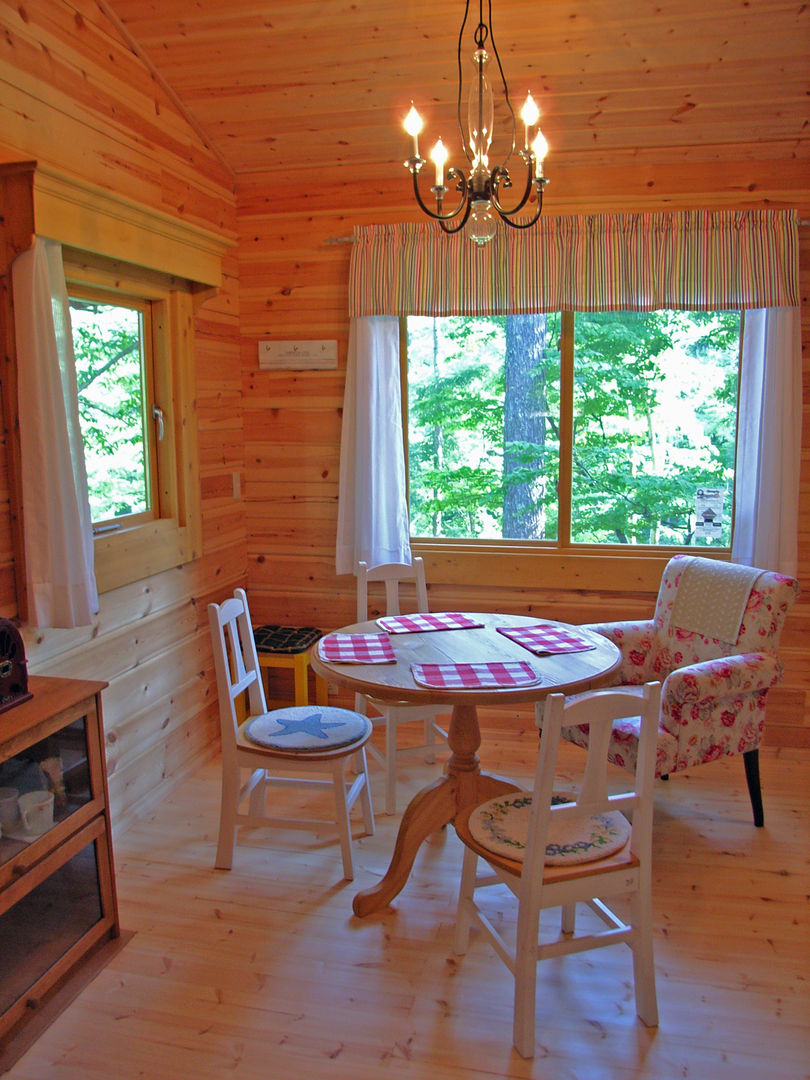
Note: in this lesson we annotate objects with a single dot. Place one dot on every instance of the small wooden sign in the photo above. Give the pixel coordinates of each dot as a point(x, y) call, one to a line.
point(301, 355)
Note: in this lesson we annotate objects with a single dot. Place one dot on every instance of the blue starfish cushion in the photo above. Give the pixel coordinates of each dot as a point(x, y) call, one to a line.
point(307, 727)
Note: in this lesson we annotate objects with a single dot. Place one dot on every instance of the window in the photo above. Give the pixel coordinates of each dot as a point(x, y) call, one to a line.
point(574, 429)
point(133, 342)
point(112, 344)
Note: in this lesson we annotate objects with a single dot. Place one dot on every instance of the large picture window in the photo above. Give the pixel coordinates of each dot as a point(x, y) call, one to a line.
point(573, 429)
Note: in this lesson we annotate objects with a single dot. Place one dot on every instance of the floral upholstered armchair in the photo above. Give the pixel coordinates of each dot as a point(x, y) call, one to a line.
point(714, 690)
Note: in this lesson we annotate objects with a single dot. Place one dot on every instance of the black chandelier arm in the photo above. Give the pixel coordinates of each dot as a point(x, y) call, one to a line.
point(457, 228)
point(532, 220)
point(501, 176)
point(437, 215)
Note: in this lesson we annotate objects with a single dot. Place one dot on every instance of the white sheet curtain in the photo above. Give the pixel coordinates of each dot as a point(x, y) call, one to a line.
point(56, 514)
point(373, 523)
point(766, 519)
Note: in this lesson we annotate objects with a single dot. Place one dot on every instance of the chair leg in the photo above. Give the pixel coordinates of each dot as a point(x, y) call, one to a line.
point(360, 766)
point(342, 817)
point(227, 819)
point(525, 984)
point(751, 762)
point(390, 766)
point(643, 961)
point(429, 739)
point(568, 922)
point(465, 896)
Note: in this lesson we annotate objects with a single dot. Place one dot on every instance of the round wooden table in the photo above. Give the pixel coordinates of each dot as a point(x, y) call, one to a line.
point(463, 783)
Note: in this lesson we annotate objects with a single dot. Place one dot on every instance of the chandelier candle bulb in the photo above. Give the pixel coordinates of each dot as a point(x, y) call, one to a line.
point(438, 155)
point(539, 149)
point(413, 125)
point(529, 114)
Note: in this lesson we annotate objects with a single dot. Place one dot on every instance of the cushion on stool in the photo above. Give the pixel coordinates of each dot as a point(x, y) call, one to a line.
point(285, 639)
point(307, 727)
point(502, 826)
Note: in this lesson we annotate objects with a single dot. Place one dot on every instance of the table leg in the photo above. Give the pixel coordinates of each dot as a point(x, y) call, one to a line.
point(436, 806)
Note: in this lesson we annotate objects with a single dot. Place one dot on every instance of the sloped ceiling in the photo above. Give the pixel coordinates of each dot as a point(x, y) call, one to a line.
point(274, 85)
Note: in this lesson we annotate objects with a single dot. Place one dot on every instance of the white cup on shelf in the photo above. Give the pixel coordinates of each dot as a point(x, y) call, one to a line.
point(36, 811)
point(8, 806)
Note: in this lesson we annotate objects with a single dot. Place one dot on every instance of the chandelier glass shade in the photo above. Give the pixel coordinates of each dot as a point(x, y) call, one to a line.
point(479, 189)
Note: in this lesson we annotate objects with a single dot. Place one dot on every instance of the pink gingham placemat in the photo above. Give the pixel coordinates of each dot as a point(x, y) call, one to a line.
point(421, 621)
point(546, 638)
point(357, 649)
point(497, 673)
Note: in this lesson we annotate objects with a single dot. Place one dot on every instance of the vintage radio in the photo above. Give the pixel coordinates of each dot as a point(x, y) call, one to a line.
point(13, 667)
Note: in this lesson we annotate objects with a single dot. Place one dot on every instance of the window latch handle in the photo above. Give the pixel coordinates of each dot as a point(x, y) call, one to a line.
point(157, 414)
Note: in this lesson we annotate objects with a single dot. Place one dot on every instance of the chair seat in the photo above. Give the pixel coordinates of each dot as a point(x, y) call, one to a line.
point(501, 825)
point(272, 638)
point(307, 728)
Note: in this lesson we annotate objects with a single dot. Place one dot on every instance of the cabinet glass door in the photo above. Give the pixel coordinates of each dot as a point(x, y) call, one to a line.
point(45, 923)
point(42, 785)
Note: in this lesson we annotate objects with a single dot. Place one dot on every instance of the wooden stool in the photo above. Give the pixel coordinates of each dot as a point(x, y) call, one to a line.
point(288, 647)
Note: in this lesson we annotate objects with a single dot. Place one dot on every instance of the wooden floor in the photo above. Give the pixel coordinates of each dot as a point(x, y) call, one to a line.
point(263, 972)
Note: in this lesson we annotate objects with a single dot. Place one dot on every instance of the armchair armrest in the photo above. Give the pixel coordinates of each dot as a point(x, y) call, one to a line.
point(726, 677)
point(717, 706)
point(638, 644)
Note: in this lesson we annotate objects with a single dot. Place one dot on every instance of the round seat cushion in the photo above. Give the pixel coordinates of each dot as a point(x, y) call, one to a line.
point(502, 826)
point(307, 728)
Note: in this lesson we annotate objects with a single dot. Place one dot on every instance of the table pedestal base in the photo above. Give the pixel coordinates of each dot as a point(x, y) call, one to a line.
point(436, 806)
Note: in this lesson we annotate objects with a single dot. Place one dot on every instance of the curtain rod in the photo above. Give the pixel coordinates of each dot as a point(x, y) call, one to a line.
point(803, 223)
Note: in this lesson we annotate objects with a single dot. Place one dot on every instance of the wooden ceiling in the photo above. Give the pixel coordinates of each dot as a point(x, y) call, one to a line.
point(316, 83)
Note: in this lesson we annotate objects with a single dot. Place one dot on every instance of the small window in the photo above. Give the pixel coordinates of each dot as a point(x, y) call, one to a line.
point(112, 344)
point(574, 430)
point(133, 338)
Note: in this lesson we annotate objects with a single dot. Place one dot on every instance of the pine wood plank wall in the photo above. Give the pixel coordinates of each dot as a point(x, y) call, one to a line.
point(73, 97)
point(293, 284)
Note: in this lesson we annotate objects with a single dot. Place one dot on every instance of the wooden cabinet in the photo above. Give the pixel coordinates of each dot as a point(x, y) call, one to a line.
point(57, 882)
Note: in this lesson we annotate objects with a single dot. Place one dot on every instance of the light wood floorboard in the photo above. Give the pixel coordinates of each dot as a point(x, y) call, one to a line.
point(263, 972)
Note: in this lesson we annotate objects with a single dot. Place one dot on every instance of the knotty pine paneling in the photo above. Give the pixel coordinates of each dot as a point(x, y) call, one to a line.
point(75, 97)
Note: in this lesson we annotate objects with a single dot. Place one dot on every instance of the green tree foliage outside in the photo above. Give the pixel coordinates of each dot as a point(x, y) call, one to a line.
point(654, 422)
point(109, 373)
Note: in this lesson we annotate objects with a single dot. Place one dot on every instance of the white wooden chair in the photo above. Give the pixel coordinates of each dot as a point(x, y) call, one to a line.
point(537, 845)
point(295, 745)
point(391, 714)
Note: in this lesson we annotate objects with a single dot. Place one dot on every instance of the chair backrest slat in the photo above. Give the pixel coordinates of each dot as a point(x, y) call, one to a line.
point(236, 663)
point(393, 576)
point(599, 709)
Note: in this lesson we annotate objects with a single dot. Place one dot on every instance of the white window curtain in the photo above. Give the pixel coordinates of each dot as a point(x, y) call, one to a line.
point(373, 523)
point(766, 518)
point(56, 514)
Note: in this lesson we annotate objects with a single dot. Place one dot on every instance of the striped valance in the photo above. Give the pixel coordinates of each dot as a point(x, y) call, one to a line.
point(692, 260)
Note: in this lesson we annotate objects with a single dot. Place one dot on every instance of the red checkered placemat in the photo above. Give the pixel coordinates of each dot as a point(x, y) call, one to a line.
point(421, 621)
point(469, 676)
point(357, 649)
point(546, 638)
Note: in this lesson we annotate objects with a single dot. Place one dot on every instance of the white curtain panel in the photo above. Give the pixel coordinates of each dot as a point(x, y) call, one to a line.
point(373, 523)
point(769, 441)
point(56, 513)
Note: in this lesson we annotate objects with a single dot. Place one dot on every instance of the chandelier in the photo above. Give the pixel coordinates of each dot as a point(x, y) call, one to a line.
point(479, 192)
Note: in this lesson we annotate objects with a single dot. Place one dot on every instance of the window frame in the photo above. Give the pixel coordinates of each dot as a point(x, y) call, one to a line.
point(137, 549)
point(606, 568)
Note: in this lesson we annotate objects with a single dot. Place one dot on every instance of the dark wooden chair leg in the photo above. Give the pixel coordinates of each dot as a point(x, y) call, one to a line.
point(751, 761)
